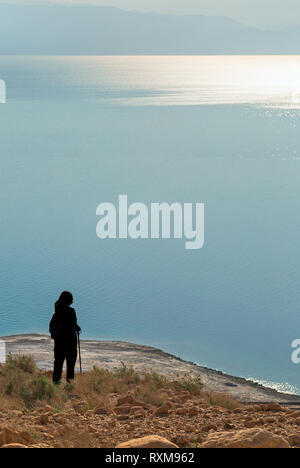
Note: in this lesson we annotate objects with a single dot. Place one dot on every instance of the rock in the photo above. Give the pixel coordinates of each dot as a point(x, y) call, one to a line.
point(237, 411)
point(140, 415)
point(297, 421)
point(271, 407)
point(60, 418)
point(43, 419)
point(182, 441)
point(101, 410)
point(126, 400)
point(229, 427)
point(270, 420)
point(181, 411)
point(193, 411)
point(162, 410)
point(125, 409)
point(137, 412)
point(48, 409)
point(252, 438)
point(153, 441)
point(80, 407)
point(8, 437)
point(294, 439)
point(209, 427)
point(136, 409)
point(17, 414)
point(14, 446)
point(123, 417)
point(250, 424)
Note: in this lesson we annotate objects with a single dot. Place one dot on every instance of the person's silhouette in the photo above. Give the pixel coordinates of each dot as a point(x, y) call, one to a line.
point(63, 329)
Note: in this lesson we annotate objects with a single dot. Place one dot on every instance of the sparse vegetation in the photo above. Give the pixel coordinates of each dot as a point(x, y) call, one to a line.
point(222, 400)
point(22, 362)
point(23, 385)
point(103, 408)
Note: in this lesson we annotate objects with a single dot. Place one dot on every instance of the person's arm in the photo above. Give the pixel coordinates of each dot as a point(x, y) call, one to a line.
point(52, 326)
point(76, 326)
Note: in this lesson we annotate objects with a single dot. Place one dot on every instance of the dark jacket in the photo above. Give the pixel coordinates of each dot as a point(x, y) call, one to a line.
point(63, 326)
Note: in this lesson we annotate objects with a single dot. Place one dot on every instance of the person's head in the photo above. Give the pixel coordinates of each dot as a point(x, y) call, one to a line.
point(66, 298)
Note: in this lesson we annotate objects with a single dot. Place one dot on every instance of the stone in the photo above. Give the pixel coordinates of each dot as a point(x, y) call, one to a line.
point(80, 407)
point(43, 419)
point(126, 400)
point(229, 426)
point(125, 409)
point(153, 441)
point(209, 427)
point(139, 415)
point(181, 440)
point(193, 411)
point(271, 407)
point(123, 417)
point(17, 414)
point(252, 438)
point(270, 420)
point(59, 418)
point(294, 439)
point(13, 437)
point(14, 446)
point(161, 411)
point(250, 424)
point(136, 409)
point(100, 410)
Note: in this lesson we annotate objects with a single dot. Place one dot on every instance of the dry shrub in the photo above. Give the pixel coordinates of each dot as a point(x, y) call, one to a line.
point(148, 388)
point(22, 385)
point(222, 400)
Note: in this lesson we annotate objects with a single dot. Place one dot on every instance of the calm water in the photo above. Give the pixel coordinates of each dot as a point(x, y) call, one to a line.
point(225, 131)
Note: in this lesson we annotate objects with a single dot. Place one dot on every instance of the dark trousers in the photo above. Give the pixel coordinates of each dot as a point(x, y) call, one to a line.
point(64, 351)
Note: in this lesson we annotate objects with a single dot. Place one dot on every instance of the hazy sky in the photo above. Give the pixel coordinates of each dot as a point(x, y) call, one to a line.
point(255, 12)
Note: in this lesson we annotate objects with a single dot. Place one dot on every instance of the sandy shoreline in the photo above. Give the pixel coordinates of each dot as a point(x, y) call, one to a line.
point(110, 354)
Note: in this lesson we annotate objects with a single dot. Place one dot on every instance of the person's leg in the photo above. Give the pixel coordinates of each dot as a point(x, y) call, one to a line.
point(71, 361)
point(59, 358)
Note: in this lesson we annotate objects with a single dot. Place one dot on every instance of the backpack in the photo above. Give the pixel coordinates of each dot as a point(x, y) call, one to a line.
point(55, 327)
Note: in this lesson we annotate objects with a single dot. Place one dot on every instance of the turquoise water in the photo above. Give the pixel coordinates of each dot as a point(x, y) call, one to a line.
point(224, 131)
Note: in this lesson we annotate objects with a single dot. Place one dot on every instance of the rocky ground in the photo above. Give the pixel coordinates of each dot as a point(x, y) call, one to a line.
point(121, 406)
point(183, 420)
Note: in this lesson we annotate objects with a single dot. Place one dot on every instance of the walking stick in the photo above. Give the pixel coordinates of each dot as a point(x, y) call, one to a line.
point(79, 352)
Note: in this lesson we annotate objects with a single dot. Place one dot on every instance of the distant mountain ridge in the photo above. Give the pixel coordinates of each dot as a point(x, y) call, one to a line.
point(99, 30)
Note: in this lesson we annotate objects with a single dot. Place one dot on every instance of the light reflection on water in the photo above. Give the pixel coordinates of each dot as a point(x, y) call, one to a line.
point(269, 81)
point(283, 387)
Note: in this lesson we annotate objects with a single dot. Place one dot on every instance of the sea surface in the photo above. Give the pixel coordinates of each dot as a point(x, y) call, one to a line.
point(78, 131)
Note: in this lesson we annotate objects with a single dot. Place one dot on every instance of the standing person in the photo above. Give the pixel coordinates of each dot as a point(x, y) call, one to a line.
point(63, 329)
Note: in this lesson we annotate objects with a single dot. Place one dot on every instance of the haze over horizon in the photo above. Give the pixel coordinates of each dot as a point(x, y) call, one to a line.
point(99, 30)
point(256, 13)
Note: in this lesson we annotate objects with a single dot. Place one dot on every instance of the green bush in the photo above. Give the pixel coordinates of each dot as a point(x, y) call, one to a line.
point(22, 362)
point(38, 390)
